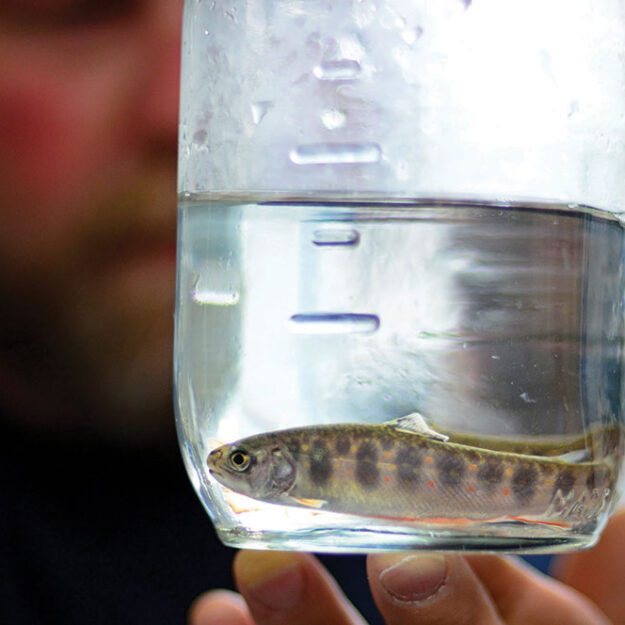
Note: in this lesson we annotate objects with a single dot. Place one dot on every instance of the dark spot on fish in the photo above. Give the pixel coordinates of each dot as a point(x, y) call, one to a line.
point(388, 443)
point(599, 477)
point(408, 461)
point(547, 469)
point(343, 445)
point(565, 482)
point(490, 473)
point(472, 456)
point(293, 445)
point(320, 463)
point(367, 472)
point(523, 483)
point(451, 469)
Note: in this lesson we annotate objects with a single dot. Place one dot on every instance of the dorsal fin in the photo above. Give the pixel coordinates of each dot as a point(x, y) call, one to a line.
point(414, 423)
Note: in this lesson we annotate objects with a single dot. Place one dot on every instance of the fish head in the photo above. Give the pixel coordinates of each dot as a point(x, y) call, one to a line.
point(256, 467)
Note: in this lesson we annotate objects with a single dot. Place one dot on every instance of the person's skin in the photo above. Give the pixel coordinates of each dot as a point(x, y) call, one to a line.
point(428, 589)
point(88, 128)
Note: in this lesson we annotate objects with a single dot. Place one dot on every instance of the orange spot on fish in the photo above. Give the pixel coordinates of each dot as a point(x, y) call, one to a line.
point(473, 467)
point(509, 471)
point(506, 492)
point(309, 503)
point(430, 484)
point(471, 488)
point(539, 522)
point(429, 459)
point(387, 479)
point(427, 521)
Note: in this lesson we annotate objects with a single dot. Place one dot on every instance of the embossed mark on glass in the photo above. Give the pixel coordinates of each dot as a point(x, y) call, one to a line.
point(400, 314)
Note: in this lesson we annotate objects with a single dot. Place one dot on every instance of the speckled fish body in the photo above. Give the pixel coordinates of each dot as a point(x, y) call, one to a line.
point(380, 470)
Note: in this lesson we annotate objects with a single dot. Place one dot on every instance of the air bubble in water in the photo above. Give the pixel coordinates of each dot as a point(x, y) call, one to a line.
point(260, 109)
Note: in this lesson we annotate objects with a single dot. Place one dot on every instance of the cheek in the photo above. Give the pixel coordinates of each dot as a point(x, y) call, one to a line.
point(49, 153)
point(64, 122)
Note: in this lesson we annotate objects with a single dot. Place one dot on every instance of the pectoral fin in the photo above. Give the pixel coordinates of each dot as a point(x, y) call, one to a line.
point(414, 423)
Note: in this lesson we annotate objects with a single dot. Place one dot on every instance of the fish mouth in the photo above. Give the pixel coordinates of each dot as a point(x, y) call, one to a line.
point(215, 457)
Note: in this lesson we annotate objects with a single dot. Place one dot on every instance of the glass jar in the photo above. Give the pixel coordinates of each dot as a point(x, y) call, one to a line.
point(400, 271)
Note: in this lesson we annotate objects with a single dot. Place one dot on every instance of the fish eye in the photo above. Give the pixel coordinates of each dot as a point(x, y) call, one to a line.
point(239, 460)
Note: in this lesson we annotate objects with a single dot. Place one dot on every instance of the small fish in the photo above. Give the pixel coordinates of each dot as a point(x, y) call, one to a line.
point(404, 470)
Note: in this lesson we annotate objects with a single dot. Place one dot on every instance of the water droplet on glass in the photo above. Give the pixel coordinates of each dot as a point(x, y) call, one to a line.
point(334, 323)
point(343, 69)
point(390, 19)
point(260, 109)
point(411, 35)
point(336, 153)
point(333, 118)
point(336, 236)
point(200, 137)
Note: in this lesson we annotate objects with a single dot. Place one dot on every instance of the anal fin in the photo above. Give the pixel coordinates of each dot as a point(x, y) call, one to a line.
point(310, 503)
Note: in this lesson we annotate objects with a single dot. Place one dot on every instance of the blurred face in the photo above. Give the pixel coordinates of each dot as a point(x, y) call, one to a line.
point(88, 115)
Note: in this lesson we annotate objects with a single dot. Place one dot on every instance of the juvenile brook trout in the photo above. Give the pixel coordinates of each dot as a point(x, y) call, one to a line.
point(403, 470)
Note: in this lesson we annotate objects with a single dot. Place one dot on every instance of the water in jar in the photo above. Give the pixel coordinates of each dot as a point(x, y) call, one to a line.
point(500, 322)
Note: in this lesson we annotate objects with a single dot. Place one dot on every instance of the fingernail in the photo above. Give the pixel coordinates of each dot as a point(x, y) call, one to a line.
point(414, 577)
point(273, 579)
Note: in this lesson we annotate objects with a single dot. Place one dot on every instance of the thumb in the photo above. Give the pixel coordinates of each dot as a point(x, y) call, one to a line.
point(428, 589)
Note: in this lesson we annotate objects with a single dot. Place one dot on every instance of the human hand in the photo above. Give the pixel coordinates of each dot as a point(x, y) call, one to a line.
point(427, 589)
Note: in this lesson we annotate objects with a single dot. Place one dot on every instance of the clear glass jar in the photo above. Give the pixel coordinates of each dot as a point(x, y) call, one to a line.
point(402, 207)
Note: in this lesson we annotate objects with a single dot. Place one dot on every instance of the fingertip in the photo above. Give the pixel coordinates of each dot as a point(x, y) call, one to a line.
point(409, 578)
point(256, 567)
point(291, 587)
point(270, 580)
point(218, 607)
point(428, 588)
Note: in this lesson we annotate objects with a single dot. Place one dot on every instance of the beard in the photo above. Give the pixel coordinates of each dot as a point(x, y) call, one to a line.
point(86, 338)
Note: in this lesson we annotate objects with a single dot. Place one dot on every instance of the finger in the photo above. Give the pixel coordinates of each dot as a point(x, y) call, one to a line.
point(282, 588)
point(599, 573)
point(219, 607)
point(523, 595)
point(428, 589)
